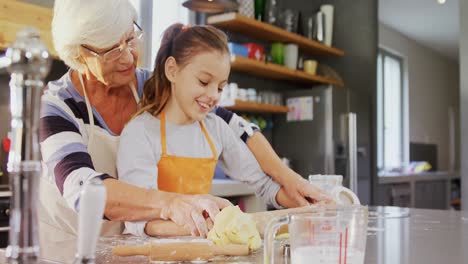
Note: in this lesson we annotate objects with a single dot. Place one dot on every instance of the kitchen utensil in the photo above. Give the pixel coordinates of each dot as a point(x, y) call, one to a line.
point(90, 212)
point(242, 94)
point(325, 235)
point(233, 91)
point(181, 251)
point(332, 184)
point(326, 182)
point(259, 9)
point(246, 8)
point(318, 32)
point(255, 51)
point(238, 49)
point(308, 26)
point(277, 53)
point(251, 94)
point(271, 12)
point(289, 20)
point(300, 63)
point(310, 66)
point(291, 53)
point(262, 123)
point(328, 11)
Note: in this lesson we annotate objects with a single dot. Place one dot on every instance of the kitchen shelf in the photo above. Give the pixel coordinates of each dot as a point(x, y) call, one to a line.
point(16, 15)
point(264, 31)
point(252, 107)
point(278, 72)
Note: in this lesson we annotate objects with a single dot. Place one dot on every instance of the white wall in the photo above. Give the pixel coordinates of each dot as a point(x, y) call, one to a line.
point(433, 86)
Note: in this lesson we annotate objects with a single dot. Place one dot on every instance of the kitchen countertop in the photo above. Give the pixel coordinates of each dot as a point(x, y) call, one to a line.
point(228, 188)
point(399, 177)
point(395, 235)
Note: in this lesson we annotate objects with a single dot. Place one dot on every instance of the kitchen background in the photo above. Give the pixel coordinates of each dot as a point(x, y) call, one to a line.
point(429, 84)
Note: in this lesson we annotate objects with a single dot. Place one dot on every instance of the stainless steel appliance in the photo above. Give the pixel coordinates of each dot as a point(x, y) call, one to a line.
point(311, 145)
point(308, 144)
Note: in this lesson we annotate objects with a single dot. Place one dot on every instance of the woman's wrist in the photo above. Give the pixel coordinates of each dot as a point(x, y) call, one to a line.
point(161, 200)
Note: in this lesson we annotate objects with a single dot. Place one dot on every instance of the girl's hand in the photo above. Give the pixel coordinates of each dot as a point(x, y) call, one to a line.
point(195, 212)
point(302, 193)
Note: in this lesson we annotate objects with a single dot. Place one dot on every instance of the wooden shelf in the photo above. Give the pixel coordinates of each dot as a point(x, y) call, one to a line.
point(264, 31)
point(278, 72)
point(252, 107)
point(15, 15)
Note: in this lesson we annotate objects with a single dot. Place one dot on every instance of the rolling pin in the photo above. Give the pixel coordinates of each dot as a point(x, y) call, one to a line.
point(183, 251)
point(166, 228)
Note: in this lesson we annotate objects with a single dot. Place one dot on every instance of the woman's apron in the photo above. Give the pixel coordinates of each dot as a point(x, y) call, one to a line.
point(58, 223)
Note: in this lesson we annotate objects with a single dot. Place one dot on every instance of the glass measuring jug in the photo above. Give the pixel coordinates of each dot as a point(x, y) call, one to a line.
point(323, 235)
point(333, 185)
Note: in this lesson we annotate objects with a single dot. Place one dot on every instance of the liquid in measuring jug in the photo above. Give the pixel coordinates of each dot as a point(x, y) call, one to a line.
point(326, 255)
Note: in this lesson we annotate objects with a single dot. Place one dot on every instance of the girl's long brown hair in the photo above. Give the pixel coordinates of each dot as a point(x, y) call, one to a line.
point(182, 43)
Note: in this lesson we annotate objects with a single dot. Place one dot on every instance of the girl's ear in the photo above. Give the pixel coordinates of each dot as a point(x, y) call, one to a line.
point(170, 69)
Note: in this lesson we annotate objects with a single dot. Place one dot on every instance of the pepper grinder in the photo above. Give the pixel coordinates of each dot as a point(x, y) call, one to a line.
point(90, 212)
point(28, 62)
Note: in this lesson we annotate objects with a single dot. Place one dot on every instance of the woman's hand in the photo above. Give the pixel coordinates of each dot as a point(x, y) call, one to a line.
point(195, 212)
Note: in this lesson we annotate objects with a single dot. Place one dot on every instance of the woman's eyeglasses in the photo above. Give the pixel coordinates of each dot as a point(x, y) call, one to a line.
point(131, 43)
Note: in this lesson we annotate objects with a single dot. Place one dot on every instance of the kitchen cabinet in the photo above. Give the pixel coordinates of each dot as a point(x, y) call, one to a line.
point(429, 190)
point(431, 195)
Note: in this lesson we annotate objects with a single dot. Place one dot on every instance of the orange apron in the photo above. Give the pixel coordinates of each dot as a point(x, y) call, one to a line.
point(184, 174)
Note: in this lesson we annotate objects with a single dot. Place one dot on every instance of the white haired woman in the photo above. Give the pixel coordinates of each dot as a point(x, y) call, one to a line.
point(85, 111)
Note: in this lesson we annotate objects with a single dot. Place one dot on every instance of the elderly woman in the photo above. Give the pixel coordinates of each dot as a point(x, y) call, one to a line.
point(85, 111)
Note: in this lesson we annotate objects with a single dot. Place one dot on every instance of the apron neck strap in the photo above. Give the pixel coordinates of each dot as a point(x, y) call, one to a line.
point(163, 136)
point(88, 107)
point(210, 142)
point(163, 133)
point(135, 93)
point(88, 104)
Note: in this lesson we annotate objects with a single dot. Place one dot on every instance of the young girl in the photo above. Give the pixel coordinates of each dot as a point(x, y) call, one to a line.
point(174, 143)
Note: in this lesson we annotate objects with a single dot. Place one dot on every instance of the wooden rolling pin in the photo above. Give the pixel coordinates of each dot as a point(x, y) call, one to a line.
point(183, 251)
point(167, 228)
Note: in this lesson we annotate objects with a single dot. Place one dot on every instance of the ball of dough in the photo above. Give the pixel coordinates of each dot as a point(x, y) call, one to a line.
point(232, 226)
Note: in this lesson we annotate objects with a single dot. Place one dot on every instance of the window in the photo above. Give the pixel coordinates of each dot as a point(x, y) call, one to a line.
point(154, 17)
point(392, 139)
point(166, 13)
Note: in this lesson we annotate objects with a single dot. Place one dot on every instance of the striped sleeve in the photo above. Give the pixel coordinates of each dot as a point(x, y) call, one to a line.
point(239, 125)
point(63, 149)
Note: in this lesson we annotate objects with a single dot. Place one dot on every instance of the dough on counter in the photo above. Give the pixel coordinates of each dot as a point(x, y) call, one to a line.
point(232, 226)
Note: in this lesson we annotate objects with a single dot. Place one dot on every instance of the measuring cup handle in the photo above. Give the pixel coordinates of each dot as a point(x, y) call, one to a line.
point(269, 237)
point(350, 196)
